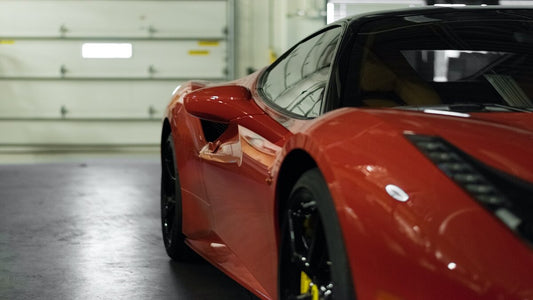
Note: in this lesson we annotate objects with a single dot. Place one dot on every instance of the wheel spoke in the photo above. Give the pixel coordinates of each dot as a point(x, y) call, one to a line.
point(318, 254)
point(296, 242)
point(319, 260)
point(313, 242)
point(308, 252)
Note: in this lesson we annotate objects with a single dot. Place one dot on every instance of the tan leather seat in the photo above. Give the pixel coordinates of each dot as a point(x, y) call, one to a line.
point(381, 87)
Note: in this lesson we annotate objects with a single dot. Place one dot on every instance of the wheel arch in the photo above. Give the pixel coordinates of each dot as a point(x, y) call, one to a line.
point(295, 164)
point(166, 130)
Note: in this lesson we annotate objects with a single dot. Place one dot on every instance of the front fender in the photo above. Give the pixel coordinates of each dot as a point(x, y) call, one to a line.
point(438, 243)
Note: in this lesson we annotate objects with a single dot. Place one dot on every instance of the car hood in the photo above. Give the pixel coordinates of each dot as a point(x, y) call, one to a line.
point(501, 140)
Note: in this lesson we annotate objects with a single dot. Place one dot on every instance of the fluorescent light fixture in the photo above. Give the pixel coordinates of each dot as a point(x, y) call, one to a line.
point(106, 50)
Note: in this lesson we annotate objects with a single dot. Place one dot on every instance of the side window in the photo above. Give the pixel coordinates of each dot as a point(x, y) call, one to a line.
point(297, 82)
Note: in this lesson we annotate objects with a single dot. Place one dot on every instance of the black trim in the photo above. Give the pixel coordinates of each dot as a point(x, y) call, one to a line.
point(505, 191)
point(213, 130)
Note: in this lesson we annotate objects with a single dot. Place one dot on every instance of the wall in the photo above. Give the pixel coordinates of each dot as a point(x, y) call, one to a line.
point(53, 96)
point(267, 28)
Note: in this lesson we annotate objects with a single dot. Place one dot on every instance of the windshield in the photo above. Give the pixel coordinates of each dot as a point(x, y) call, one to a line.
point(478, 65)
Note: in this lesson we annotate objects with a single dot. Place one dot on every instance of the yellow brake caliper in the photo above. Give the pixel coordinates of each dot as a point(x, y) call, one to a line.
point(307, 286)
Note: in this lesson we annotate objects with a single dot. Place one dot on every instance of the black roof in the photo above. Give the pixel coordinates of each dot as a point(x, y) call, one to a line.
point(408, 16)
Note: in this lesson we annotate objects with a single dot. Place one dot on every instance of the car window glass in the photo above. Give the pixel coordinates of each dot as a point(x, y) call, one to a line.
point(468, 66)
point(297, 82)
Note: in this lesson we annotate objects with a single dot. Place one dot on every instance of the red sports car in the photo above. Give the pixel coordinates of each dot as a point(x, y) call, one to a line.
point(387, 156)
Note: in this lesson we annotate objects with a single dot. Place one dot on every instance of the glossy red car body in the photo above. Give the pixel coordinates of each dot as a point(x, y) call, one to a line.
point(438, 244)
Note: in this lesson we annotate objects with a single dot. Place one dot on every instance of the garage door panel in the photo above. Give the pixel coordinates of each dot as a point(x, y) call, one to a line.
point(80, 99)
point(79, 133)
point(52, 95)
point(63, 58)
point(185, 19)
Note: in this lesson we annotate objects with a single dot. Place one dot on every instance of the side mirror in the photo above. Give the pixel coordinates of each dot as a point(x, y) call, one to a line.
point(221, 103)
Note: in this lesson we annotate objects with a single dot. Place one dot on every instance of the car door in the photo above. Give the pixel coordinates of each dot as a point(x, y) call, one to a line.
point(237, 165)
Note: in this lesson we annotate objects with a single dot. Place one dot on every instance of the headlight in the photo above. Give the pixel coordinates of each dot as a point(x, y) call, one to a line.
point(508, 198)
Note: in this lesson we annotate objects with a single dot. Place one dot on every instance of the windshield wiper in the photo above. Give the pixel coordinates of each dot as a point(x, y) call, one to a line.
point(473, 107)
point(469, 107)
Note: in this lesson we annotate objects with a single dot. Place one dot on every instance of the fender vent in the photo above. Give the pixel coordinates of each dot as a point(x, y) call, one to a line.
point(213, 130)
point(508, 198)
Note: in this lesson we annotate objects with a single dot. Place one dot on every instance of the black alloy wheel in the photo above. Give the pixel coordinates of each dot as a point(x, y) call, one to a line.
point(312, 260)
point(171, 211)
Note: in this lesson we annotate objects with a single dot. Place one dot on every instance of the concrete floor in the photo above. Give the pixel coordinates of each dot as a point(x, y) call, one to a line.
point(91, 230)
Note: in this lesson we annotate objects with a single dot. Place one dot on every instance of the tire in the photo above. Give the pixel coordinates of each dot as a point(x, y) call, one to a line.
point(171, 209)
point(312, 258)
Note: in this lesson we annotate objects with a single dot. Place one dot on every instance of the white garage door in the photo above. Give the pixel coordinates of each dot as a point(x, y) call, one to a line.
point(100, 73)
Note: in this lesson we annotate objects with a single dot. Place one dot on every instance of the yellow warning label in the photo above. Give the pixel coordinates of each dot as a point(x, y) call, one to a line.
point(7, 42)
point(198, 52)
point(208, 43)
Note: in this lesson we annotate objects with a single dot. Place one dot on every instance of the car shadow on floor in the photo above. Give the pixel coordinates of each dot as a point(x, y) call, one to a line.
point(200, 280)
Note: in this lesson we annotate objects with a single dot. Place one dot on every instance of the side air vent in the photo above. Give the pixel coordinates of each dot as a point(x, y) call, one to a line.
point(508, 198)
point(213, 130)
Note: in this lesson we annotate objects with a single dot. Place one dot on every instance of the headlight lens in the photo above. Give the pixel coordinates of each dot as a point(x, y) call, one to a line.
point(508, 198)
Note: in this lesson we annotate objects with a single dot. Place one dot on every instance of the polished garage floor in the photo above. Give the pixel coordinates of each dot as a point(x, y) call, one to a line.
point(90, 230)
